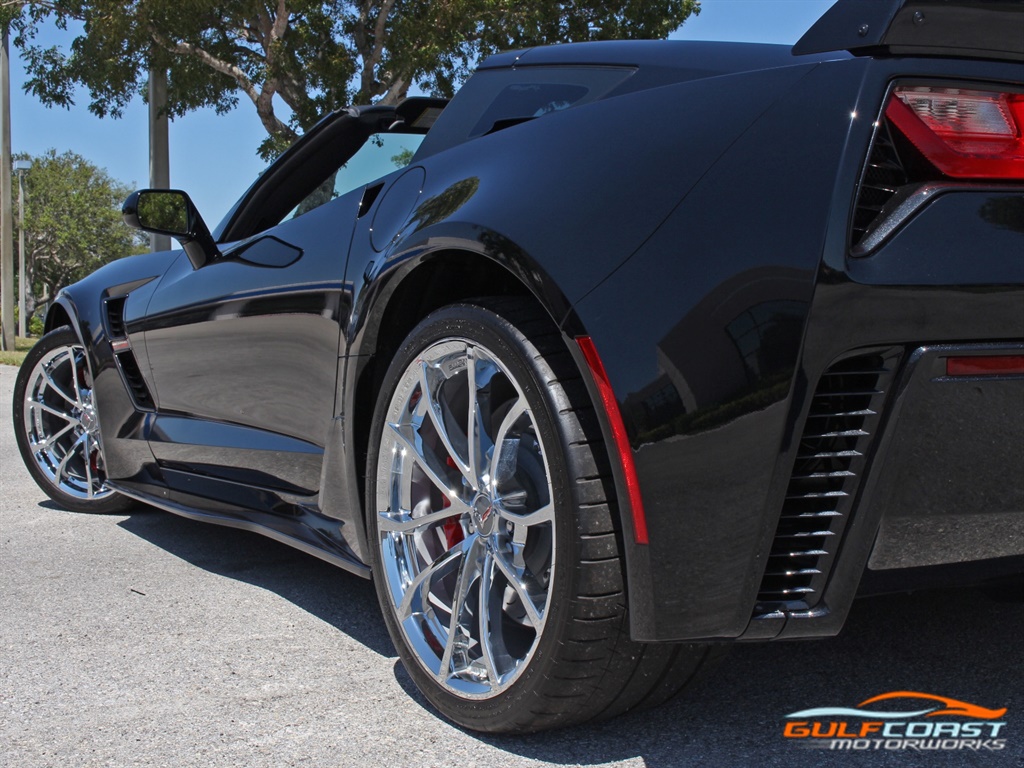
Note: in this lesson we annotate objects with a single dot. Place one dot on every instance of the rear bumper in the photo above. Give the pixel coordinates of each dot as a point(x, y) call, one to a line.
point(949, 488)
point(941, 496)
point(942, 499)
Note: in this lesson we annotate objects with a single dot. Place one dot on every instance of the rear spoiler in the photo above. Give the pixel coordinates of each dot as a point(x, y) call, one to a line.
point(987, 29)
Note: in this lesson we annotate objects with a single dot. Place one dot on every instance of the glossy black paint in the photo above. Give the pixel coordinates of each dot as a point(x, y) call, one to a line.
point(694, 221)
point(988, 29)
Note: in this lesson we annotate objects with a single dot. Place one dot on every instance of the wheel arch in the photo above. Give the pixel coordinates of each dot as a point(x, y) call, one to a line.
point(415, 287)
point(411, 292)
point(62, 312)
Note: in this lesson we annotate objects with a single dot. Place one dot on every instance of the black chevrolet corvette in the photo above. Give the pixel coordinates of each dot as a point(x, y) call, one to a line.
point(650, 347)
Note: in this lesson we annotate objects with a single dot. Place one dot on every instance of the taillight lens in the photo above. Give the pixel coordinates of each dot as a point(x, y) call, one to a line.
point(964, 133)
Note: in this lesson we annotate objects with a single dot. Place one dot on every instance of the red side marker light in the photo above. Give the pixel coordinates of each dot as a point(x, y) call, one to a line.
point(996, 365)
point(622, 447)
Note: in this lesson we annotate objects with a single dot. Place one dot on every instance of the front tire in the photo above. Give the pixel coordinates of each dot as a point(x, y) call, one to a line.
point(492, 534)
point(57, 429)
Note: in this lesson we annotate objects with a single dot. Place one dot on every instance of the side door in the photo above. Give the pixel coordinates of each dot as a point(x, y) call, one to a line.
point(243, 351)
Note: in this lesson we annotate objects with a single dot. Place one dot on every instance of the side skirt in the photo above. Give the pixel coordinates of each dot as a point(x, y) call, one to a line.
point(334, 557)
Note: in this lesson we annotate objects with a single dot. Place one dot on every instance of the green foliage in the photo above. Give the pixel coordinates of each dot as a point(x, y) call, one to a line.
point(164, 211)
point(73, 221)
point(313, 55)
point(402, 158)
point(35, 322)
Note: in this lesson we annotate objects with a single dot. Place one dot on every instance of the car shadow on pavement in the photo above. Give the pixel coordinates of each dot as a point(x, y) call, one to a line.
point(335, 596)
point(958, 643)
point(955, 643)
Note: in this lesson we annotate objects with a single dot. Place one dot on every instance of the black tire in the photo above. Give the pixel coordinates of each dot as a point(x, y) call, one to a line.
point(571, 659)
point(56, 427)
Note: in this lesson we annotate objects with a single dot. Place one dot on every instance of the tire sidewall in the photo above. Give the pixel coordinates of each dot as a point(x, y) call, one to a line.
point(500, 337)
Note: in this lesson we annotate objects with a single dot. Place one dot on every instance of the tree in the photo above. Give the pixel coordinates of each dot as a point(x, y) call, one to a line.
point(73, 222)
point(312, 55)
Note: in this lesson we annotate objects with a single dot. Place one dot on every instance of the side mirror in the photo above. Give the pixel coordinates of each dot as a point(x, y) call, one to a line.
point(171, 212)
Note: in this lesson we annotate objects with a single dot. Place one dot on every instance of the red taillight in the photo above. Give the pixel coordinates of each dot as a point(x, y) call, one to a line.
point(611, 408)
point(995, 365)
point(964, 133)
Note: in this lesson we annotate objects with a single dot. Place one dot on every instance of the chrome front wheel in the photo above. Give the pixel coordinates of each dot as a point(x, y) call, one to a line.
point(57, 427)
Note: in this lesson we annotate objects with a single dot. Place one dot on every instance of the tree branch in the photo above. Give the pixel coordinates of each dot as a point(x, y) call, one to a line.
point(399, 88)
point(262, 99)
point(379, 33)
point(280, 21)
point(219, 65)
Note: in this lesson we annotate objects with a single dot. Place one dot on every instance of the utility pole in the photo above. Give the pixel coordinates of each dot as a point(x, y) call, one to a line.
point(6, 225)
point(159, 151)
point(20, 167)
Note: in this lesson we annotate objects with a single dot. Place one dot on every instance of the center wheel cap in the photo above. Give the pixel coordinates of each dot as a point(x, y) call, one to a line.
point(484, 518)
point(89, 422)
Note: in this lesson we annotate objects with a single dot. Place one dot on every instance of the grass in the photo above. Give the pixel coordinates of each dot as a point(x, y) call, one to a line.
point(17, 356)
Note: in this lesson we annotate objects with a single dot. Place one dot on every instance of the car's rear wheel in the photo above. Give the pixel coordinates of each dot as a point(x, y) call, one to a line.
point(57, 428)
point(494, 545)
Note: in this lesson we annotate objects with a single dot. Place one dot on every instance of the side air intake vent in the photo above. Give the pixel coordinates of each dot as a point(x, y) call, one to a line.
point(837, 437)
point(883, 175)
point(115, 318)
point(126, 361)
point(133, 378)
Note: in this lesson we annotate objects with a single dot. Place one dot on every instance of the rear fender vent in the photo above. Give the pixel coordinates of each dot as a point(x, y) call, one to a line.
point(126, 361)
point(837, 438)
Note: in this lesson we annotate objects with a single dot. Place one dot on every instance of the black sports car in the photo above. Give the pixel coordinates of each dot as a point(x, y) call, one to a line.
point(651, 347)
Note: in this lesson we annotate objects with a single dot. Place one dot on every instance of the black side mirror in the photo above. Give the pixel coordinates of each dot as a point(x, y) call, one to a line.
point(171, 212)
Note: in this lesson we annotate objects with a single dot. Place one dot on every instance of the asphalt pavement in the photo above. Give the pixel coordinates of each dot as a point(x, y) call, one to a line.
point(151, 640)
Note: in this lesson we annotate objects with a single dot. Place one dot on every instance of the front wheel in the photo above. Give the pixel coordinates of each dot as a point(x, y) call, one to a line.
point(57, 429)
point(493, 538)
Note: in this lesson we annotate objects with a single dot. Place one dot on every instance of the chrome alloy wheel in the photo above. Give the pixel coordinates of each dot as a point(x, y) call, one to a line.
point(61, 425)
point(465, 518)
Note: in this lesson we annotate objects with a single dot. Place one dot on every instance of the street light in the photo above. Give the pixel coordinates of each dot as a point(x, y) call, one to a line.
point(20, 167)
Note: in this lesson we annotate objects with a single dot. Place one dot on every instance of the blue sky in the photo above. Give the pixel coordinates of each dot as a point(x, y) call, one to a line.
point(214, 157)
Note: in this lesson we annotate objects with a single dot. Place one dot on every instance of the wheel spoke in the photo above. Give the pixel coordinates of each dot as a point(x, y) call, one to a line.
point(87, 455)
point(74, 378)
point(472, 418)
point(418, 456)
point(433, 410)
point(54, 411)
point(70, 452)
point(45, 444)
point(456, 632)
point(503, 461)
point(420, 586)
point(516, 582)
point(543, 515)
point(483, 609)
point(56, 387)
point(406, 523)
